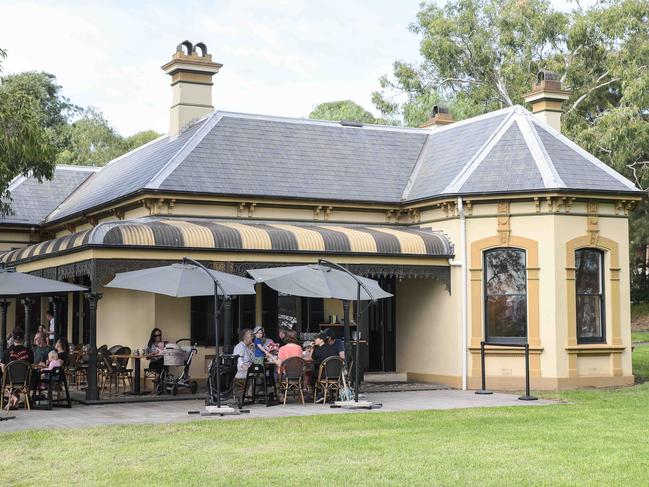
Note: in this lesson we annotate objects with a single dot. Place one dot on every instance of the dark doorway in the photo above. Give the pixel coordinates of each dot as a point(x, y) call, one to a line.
point(382, 336)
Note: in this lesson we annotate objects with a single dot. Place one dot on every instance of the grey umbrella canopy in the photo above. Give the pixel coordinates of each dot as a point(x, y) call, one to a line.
point(181, 281)
point(317, 281)
point(14, 283)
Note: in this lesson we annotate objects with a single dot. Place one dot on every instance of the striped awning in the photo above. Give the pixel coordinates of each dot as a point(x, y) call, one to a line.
point(248, 236)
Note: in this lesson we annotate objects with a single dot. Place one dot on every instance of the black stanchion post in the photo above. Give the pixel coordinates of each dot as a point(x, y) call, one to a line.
point(527, 396)
point(484, 378)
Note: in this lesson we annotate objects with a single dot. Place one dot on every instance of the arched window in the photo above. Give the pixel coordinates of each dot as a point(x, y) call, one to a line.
point(505, 294)
point(589, 276)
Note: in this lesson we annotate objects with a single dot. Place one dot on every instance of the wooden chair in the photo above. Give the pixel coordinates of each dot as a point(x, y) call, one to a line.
point(292, 377)
point(329, 378)
point(108, 371)
point(124, 373)
point(16, 380)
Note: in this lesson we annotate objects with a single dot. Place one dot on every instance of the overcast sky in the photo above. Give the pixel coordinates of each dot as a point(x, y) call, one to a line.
point(280, 57)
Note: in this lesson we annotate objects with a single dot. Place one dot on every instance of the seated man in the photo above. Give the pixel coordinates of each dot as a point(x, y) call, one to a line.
point(17, 351)
point(336, 342)
point(246, 357)
point(321, 351)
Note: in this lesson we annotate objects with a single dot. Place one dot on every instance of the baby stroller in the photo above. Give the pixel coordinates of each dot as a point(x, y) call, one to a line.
point(175, 374)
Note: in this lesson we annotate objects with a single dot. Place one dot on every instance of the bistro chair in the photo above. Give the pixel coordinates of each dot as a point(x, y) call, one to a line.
point(329, 378)
point(15, 381)
point(108, 371)
point(123, 372)
point(77, 368)
point(292, 377)
point(113, 350)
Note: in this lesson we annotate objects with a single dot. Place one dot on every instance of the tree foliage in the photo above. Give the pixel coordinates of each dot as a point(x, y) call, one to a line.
point(39, 127)
point(344, 110)
point(481, 55)
point(26, 144)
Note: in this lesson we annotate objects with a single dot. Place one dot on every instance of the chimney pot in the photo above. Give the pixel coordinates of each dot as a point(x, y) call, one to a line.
point(546, 97)
point(439, 115)
point(191, 69)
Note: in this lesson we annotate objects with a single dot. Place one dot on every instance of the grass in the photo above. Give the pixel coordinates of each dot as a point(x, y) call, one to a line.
point(640, 336)
point(598, 438)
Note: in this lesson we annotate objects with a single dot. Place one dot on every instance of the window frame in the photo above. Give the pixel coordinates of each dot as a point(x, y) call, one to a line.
point(602, 293)
point(486, 295)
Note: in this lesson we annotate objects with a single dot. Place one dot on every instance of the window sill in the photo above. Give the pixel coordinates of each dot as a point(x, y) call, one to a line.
point(595, 349)
point(506, 351)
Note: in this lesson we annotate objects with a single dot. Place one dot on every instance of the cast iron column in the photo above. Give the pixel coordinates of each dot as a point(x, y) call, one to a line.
point(92, 393)
point(27, 303)
point(56, 309)
point(4, 304)
point(227, 331)
point(346, 332)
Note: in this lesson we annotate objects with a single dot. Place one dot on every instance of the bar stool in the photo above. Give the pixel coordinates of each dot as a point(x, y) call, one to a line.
point(258, 380)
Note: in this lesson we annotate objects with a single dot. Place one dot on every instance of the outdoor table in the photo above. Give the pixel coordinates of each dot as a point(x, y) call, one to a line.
point(136, 369)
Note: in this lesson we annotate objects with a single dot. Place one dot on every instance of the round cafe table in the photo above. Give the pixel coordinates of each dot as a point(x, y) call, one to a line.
point(136, 369)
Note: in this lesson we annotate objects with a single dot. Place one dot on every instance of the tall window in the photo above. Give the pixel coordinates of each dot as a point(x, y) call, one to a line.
point(505, 295)
point(589, 264)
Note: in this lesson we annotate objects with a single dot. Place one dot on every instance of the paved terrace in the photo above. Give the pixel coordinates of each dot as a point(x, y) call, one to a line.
point(176, 411)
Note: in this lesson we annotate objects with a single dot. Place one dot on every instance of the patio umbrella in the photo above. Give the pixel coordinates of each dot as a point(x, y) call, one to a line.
point(14, 284)
point(324, 280)
point(318, 281)
point(190, 278)
point(182, 281)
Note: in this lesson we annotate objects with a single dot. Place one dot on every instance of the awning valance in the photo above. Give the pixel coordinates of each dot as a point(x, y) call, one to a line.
point(247, 236)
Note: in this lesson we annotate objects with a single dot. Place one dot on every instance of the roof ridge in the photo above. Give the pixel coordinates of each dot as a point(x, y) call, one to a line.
point(208, 124)
point(542, 159)
point(74, 167)
point(326, 123)
point(99, 169)
point(586, 155)
point(458, 181)
point(412, 178)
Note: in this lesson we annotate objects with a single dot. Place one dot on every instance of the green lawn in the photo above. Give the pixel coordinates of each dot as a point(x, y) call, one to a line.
point(640, 336)
point(598, 438)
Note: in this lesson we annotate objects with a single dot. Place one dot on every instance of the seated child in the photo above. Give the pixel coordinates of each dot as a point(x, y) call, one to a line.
point(53, 361)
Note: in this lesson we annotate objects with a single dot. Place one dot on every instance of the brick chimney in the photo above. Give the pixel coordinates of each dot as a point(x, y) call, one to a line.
point(546, 97)
point(191, 70)
point(439, 116)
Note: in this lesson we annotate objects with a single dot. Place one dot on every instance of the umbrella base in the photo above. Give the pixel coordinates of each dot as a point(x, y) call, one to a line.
point(356, 405)
point(220, 411)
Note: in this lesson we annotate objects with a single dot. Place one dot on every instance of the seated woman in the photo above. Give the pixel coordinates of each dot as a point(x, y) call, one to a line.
point(155, 351)
point(291, 349)
point(263, 344)
point(63, 349)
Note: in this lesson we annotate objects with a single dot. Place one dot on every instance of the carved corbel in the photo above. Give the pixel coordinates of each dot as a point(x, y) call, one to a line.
point(327, 212)
point(251, 209)
point(316, 212)
point(592, 224)
point(504, 228)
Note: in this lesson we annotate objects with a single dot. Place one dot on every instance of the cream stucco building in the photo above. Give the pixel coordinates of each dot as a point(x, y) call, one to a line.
point(496, 228)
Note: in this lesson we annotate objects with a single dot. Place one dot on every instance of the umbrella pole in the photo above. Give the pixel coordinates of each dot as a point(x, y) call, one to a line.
point(216, 339)
point(357, 375)
point(211, 410)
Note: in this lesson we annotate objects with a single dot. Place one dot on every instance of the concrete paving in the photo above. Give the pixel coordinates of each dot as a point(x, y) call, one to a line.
point(174, 412)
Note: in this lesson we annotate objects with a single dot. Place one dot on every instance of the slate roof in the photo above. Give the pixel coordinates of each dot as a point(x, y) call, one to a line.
point(31, 201)
point(237, 154)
